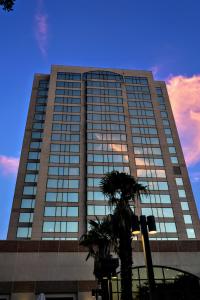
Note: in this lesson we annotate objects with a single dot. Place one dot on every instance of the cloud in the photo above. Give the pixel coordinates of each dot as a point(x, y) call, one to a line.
point(8, 165)
point(184, 93)
point(41, 29)
point(195, 177)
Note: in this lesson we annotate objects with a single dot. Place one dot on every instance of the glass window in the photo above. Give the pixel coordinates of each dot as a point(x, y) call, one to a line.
point(140, 112)
point(64, 159)
point(155, 198)
point(28, 203)
point(96, 196)
point(24, 232)
point(170, 140)
point(179, 181)
point(31, 178)
point(35, 145)
point(105, 169)
point(151, 173)
point(136, 80)
point(144, 161)
point(63, 171)
point(174, 160)
point(158, 212)
point(62, 197)
point(26, 217)
point(60, 227)
point(61, 211)
point(165, 123)
point(29, 190)
point(181, 193)
point(184, 206)
point(69, 76)
point(147, 150)
point(187, 219)
point(65, 137)
point(145, 140)
point(172, 150)
point(167, 131)
point(190, 233)
point(62, 183)
point(33, 166)
point(66, 118)
point(37, 135)
point(142, 121)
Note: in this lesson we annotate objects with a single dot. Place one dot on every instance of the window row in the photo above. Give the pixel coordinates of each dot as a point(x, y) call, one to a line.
point(106, 126)
point(64, 148)
point(64, 159)
point(144, 130)
point(138, 96)
point(147, 150)
point(144, 161)
point(155, 198)
point(27, 203)
point(96, 196)
point(31, 178)
point(68, 76)
point(155, 185)
point(65, 127)
point(141, 112)
point(140, 104)
point(108, 92)
point(61, 211)
point(105, 169)
point(110, 100)
point(25, 217)
point(136, 80)
point(37, 135)
point(33, 166)
point(37, 125)
point(106, 136)
point(102, 75)
point(65, 137)
point(68, 84)
point(60, 227)
point(39, 117)
point(98, 210)
point(105, 108)
point(62, 184)
point(143, 121)
point(108, 84)
point(42, 93)
point(151, 173)
point(67, 100)
point(66, 118)
point(63, 171)
point(105, 117)
point(169, 227)
point(30, 190)
point(33, 155)
point(145, 140)
point(107, 147)
point(108, 158)
point(67, 108)
point(40, 108)
point(137, 88)
point(24, 232)
point(93, 182)
point(62, 197)
point(41, 100)
point(158, 212)
point(68, 92)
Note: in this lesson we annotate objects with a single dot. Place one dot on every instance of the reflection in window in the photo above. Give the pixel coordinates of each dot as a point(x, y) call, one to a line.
point(144, 161)
point(24, 232)
point(62, 197)
point(158, 212)
point(62, 183)
point(105, 169)
point(107, 158)
point(60, 227)
point(151, 173)
point(155, 198)
point(61, 211)
point(63, 171)
point(107, 147)
point(190, 233)
point(26, 217)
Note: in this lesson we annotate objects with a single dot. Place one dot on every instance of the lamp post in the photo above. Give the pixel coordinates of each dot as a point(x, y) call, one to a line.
point(146, 225)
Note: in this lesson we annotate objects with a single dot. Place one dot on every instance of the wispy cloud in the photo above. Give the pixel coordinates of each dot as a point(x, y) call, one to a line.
point(195, 177)
point(8, 165)
point(41, 28)
point(184, 95)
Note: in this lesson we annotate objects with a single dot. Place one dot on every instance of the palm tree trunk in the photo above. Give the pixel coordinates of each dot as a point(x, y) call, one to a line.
point(125, 254)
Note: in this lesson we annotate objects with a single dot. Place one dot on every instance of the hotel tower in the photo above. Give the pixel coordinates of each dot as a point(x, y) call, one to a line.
point(84, 122)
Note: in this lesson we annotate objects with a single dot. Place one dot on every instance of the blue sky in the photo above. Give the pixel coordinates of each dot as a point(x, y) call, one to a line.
point(159, 35)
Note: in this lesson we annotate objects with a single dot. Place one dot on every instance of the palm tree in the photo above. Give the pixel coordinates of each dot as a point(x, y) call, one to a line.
point(121, 189)
point(99, 241)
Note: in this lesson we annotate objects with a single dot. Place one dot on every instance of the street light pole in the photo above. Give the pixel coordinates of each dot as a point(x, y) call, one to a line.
point(147, 255)
point(146, 225)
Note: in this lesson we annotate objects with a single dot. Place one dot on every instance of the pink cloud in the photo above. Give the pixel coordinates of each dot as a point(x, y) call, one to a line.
point(184, 93)
point(8, 165)
point(41, 29)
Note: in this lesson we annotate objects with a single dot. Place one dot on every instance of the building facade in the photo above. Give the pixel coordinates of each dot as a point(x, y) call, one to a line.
point(84, 122)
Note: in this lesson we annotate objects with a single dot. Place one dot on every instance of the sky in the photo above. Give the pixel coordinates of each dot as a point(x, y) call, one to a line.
point(162, 36)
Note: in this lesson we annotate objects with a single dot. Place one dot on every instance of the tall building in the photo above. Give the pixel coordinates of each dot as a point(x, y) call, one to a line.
point(84, 122)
